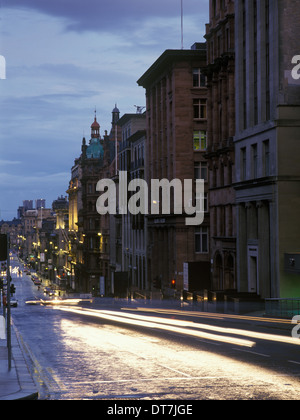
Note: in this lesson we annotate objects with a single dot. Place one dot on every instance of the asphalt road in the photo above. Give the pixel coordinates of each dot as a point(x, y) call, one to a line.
point(114, 351)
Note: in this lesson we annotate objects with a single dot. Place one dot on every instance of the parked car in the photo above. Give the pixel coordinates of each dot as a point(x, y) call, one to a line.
point(13, 303)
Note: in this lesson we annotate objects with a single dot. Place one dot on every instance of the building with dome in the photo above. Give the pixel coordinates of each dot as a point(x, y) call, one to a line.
point(89, 231)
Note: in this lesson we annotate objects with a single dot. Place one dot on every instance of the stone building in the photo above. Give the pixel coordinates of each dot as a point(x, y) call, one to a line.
point(133, 227)
point(89, 232)
point(176, 115)
point(220, 73)
point(267, 146)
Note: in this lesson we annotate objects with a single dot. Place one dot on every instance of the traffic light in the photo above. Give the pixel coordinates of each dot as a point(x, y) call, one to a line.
point(1, 284)
point(173, 284)
point(12, 289)
point(3, 247)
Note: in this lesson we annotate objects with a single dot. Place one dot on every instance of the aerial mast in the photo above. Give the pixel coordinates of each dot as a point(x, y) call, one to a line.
point(181, 24)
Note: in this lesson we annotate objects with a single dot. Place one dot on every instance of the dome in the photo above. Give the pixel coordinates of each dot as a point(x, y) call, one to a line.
point(95, 124)
point(95, 150)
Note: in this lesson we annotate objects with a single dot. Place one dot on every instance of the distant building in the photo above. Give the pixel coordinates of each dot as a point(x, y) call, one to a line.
point(40, 203)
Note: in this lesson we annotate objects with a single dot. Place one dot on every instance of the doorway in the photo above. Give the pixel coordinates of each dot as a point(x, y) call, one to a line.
point(253, 279)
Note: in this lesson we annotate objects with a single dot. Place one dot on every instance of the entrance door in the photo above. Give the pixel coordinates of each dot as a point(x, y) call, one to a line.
point(253, 280)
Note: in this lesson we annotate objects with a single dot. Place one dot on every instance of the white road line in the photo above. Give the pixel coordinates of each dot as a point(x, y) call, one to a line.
point(252, 352)
point(138, 380)
point(208, 342)
point(175, 370)
point(292, 361)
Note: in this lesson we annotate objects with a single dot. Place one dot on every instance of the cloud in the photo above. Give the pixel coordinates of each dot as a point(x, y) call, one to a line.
point(64, 58)
point(4, 162)
point(106, 15)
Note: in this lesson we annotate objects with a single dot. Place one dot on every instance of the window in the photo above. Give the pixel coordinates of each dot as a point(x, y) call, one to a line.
point(243, 164)
point(200, 170)
point(199, 80)
point(266, 152)
point(205, 202)
point(199, 106)
point(200, 141)
point(254, 160)
point(201, 240)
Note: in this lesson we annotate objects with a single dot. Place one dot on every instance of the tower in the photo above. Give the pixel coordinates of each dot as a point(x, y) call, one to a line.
point(115, 115)
point(95, 129)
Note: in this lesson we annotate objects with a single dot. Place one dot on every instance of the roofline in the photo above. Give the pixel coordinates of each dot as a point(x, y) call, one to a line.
point(168, 57)
point(127, 117)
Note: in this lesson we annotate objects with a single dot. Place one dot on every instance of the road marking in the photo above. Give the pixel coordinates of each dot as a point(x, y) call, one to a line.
point(175, 370)
point(292, 361)
point(119, 381)
point(252, 352)
point(208, 342)
point(56, 379)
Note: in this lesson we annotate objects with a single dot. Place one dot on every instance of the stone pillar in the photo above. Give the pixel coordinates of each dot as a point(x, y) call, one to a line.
point(242, 276)
point(264, 248)
point(251, 220)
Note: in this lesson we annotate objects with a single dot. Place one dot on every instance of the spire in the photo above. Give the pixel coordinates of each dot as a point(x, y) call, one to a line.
point(115, 115)
point(95, 128)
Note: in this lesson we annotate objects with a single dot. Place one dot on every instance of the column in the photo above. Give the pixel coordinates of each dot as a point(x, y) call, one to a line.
point(264, 248)
point(242, 276)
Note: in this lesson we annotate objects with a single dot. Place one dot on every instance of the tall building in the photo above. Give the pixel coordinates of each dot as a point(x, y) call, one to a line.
point(267, 146)
point(88, 231)
point(133, 227)
point(220, 73)
point(176, 115)
point(40, 203)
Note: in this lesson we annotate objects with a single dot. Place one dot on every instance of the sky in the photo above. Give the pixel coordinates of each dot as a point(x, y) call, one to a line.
point(64, 59)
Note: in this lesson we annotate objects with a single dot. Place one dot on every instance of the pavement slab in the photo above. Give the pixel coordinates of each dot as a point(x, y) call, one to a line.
point(17, 383)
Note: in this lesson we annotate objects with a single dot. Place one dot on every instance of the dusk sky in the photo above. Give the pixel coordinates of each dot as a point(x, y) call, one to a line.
point(63, 59)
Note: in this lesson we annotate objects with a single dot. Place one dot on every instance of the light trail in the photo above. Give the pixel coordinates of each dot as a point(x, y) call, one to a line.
point(211, 315)
point(188, 327)
point(245, 333)
point(152, 323)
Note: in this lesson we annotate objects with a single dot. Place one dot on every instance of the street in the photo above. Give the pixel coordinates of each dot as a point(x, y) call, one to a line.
point(110, 350)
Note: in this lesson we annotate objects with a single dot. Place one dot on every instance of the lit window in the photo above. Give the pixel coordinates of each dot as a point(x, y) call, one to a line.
point(200, 141)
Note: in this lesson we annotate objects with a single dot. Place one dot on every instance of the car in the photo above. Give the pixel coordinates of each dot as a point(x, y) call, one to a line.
point(13, 303)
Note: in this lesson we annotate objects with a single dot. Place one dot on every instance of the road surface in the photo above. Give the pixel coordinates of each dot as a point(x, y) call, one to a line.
point(110, 350)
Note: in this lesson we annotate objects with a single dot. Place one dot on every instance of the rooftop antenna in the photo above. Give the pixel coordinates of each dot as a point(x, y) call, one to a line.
point(181, 24)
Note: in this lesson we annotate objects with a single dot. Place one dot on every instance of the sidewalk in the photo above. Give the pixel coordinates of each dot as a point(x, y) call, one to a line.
point(18, 383)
